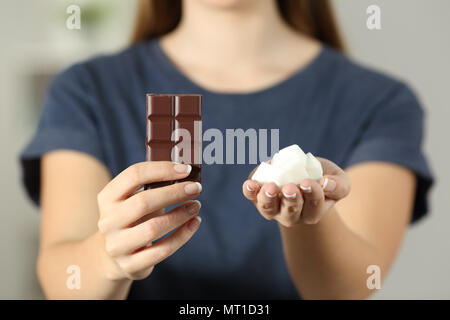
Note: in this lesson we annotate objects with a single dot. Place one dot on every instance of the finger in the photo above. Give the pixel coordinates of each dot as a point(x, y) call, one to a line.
point(129, 240)
point(335, 187)
point(291, 205)
point(250, 189)
point(149, 216)
point(148, 201)
point(126, 183)
point(141, 274)
point(268, 202)
point(154, 254)
point(313, 201)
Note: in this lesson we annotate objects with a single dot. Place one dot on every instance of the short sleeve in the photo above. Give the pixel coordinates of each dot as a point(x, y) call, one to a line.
point(68, 122)
point(394, 134)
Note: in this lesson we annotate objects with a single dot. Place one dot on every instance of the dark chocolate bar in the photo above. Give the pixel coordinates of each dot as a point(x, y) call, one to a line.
point(174, 132)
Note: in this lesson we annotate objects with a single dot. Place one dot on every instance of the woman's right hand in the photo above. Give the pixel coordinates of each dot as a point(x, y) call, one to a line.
point(131, 221)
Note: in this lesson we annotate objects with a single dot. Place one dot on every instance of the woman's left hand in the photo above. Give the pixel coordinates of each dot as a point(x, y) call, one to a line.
point(305, 203)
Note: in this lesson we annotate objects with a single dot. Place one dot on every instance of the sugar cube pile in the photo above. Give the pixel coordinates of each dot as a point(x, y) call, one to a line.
point(290, 164)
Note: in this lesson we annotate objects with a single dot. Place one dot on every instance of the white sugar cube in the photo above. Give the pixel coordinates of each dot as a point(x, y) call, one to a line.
point(288, 155)
point(289, 165)
point(267, 173)
point(313, 167)
point(293, 172)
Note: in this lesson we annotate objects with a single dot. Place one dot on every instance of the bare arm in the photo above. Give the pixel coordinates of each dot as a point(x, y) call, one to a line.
point(72, 185)
point(328, 258)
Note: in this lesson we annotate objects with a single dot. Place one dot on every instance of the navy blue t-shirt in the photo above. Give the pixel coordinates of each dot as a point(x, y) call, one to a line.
point(333, 108)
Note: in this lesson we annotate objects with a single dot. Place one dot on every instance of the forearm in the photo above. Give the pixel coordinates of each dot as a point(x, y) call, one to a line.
point(328, 260)
point(88, 256)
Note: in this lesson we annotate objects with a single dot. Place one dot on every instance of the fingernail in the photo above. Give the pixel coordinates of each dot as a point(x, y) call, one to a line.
point(193, 188)
point(195, 223)
point(269, 195)
point(290, 196)
point(325, 182)
point(193, 207)
point(306, 189)
point(182, 168)
point(247, 186)
point(331, 185)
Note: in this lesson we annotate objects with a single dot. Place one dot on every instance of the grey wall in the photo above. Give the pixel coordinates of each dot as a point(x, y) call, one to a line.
point(413, 44)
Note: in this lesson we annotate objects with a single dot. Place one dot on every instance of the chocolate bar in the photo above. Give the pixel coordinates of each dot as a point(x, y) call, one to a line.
point(174, 132)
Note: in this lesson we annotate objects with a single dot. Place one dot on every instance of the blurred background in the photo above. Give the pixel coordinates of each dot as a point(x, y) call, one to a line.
point(413, 45)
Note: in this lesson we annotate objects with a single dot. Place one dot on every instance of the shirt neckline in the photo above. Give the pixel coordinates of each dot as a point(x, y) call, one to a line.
point(173, 72)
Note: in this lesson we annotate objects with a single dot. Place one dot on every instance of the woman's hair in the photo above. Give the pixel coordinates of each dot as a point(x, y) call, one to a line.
point(311, 17)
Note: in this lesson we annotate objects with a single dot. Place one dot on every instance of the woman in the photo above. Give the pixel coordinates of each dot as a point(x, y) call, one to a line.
point(259, 64)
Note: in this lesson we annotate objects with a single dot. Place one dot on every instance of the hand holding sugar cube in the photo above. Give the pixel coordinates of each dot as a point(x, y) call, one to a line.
point(302, 189)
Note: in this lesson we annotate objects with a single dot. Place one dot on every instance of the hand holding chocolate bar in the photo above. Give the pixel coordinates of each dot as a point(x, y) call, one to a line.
point(296, 188)
point(130, 220)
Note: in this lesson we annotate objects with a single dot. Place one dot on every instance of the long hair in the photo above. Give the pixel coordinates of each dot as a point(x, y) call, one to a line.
point(314, 18)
